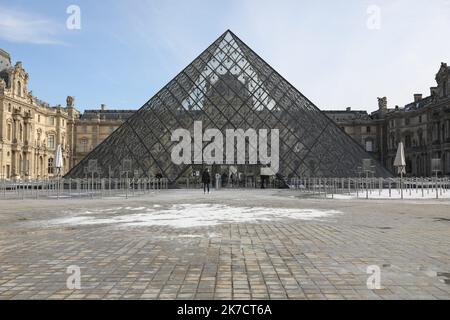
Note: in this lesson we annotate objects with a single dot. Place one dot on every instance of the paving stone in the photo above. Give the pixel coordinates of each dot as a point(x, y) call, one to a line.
point(274, 258)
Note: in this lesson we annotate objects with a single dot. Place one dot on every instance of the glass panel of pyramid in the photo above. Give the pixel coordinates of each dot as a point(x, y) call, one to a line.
point(229, 87)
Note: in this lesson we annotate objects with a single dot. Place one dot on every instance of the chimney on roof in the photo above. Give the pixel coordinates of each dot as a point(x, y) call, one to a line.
point(417, 97)
point(103, 107)
point(349, 109)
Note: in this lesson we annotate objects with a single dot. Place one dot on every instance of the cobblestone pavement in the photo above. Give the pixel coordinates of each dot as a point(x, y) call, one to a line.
point(264, 258)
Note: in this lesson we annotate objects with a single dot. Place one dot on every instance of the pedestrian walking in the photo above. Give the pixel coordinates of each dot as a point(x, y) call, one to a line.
point(206, 180)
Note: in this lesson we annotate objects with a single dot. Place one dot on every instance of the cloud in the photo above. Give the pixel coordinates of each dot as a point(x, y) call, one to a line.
point(23, 27)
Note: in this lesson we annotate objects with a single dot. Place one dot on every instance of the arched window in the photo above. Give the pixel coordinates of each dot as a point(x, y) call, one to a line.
point(50, 166)
point(8, 133)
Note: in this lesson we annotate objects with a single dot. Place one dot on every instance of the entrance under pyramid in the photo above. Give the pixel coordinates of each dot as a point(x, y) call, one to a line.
point(231, 112)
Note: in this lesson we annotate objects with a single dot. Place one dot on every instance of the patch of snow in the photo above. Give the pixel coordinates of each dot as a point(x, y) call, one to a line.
point(190, 215)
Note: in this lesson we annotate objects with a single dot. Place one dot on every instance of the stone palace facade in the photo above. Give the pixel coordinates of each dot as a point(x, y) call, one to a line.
point(422, 125)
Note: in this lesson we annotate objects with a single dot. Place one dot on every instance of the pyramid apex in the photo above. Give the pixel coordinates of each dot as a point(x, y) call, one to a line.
point(228, 32)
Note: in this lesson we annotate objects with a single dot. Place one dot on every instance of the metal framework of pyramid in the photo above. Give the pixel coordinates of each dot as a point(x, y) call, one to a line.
point(229, 87)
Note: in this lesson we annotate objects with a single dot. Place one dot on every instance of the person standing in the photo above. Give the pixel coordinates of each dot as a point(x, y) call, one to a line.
point(206, 180)
point(223, 179)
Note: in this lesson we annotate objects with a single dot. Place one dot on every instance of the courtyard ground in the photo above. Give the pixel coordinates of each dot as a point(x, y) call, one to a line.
point(231, 244)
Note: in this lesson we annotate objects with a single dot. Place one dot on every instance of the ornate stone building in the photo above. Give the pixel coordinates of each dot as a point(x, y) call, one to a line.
point(360, 126)
point(30, 129)
point(93, 126)
point(422, 125)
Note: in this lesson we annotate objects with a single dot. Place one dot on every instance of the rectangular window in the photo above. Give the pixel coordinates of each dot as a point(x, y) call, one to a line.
point(51, 142)
point(84, 145)
point(368, 129)
point(408, 141)
point(369, 145)
point(50, 166)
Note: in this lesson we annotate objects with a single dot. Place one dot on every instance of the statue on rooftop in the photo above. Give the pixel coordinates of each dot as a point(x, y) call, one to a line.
point(70, 101)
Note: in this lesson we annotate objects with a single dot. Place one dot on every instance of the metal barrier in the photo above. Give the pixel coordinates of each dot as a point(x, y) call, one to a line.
point(374, 188)
point(80, 188)
point(359, 188)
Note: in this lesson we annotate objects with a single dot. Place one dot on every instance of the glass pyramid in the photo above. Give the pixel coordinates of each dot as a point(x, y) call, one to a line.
point(229, 87)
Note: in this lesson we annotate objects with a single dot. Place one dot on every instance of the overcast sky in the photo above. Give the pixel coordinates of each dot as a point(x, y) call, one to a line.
point(337, 53)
